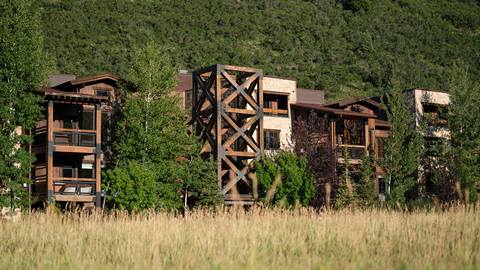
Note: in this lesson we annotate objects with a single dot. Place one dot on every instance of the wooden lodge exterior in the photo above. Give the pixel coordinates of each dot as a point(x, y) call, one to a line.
point(72, 142)
point(240, 113)
point(356, 128)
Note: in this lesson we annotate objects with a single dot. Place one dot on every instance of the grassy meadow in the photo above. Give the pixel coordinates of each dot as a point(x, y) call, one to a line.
point(233, 239)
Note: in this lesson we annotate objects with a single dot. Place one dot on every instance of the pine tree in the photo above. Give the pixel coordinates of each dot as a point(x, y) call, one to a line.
point(22, 68)
point(153, 132)
point(464, 125)
point(403, 147)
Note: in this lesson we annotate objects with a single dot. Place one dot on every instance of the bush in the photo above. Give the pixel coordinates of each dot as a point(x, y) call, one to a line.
point(131, 186)
point(285, 179)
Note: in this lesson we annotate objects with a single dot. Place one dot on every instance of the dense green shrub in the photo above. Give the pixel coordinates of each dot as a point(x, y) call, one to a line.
point(285, 179)
point(131, 186)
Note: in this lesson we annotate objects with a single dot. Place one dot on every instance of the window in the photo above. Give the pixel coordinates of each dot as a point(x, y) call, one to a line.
point(87, 170)
point(102, 92)
point(67, 171)
point(272, 139)
point(382, 185)
point(380, 147)
point(88, 120)
point(274, 104)
point(435, 114)
point(350, 132)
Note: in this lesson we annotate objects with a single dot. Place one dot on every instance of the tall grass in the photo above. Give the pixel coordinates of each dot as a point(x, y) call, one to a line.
point(232, 239)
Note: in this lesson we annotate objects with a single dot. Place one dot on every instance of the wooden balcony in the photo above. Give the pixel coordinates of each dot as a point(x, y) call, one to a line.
point(354, 153)
point(74, 141)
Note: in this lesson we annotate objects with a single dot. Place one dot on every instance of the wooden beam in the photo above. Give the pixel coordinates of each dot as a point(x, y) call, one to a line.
point(50, 152)
point(98, 165)
point(74, 149)
point(74, 198)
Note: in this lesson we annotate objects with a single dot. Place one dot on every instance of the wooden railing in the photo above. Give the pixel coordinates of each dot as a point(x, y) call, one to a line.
point(74, 137)
point(350, 151)
point(74, 186)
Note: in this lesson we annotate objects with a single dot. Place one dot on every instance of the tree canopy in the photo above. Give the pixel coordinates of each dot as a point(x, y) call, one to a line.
point(345, 47)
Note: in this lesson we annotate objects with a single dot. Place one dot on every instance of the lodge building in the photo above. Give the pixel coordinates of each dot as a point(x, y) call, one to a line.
point(240, 113)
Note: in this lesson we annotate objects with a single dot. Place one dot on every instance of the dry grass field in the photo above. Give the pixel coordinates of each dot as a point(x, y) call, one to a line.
point(259, 239)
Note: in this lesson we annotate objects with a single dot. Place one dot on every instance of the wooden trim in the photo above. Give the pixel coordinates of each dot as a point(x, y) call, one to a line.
point(269, 92)
point(74, 198)
point(50, 151)
point(242, 111)
point(240, 154)
point(98, 165)
point(73, 130)
point(73, 179)
point(275, 111)
point(351, 146)
point(74, 149)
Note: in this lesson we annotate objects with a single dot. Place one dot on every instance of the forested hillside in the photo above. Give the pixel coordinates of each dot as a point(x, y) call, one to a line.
point(350, 47)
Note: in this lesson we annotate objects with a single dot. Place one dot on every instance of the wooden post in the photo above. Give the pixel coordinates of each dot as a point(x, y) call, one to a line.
point(259, 110)
point(98, 146)
point(50, 152)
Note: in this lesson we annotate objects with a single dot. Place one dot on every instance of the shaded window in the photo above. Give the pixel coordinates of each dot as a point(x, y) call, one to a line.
point(67, 171)
point(102, 92)
point(272, 139)
point(380, 148)
point(435, 114)
point(88, 120)
point(275, 104)
point(382, 185)
point(87, 170)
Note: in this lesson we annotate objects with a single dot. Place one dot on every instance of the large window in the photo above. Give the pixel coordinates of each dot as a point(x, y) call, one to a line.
point(435, 114)
point(350, 132)
point(272, 139)
point(275, 104)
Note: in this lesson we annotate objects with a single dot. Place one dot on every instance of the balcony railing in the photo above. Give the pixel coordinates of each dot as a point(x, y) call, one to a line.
point(74, 137)
point(74, 186)
point(350, 151)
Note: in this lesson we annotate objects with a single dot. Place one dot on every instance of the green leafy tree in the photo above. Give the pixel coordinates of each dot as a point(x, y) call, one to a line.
point(131, 186)
point(22, 68)
point(285, 179)
point(464, 125)
point(403, 147)
point(152, 130)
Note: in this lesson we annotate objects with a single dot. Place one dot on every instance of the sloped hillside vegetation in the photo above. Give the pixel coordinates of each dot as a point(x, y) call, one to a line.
point(349, 47)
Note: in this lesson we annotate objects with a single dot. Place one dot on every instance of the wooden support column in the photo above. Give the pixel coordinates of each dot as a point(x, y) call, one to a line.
point(98, 146)
point(218, 127)
point(259, 110)
point(50, 152)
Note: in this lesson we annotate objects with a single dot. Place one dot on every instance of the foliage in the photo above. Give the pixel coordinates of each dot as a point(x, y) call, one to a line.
point(22, 68)
point(131, 186)
point(403, 147)
point(152, 130)
point(346, 47)
point(464, 125)
point(295, 186)
point(365, 185)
